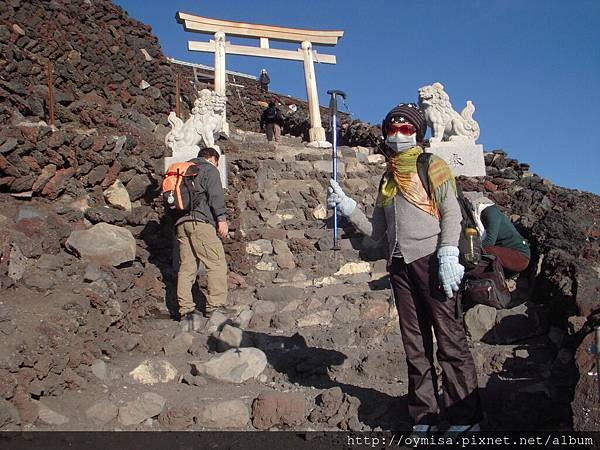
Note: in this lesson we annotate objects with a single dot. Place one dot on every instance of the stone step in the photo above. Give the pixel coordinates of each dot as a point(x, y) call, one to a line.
point(307, 153)
point(294, 184)
point(253, 138)
point(348, 169)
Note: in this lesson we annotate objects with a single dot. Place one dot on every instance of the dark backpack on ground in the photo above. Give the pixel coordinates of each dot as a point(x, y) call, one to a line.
point(483, 283)
point(180, 187)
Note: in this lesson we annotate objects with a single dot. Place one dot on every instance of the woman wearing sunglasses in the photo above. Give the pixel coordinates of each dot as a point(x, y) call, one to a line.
point(422, 233)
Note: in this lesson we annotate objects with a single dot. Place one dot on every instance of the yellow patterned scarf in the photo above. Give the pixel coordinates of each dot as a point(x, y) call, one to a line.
point(402, 176)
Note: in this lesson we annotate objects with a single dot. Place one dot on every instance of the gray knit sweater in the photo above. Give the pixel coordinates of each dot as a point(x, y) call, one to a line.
point(416, 233)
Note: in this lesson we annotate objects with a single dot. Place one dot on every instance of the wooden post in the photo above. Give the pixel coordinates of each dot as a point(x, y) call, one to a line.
point(316, 131)
point(50, 95)
point(177, 97)
point(220, 76)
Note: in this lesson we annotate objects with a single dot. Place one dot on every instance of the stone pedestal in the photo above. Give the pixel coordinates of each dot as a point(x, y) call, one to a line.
point(319, 144)
point(464, 158)
point(316, 134)
point(191, 153)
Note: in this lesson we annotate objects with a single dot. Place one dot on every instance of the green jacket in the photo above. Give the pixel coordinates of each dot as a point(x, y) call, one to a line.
point(500, 231)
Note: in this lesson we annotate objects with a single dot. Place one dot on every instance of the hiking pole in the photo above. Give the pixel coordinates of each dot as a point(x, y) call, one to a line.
point(594, 349)
point(597, 333)
point(333, 114)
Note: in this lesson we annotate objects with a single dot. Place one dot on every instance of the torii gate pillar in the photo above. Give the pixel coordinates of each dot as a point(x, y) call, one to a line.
point(220, 73)
point(316, 131)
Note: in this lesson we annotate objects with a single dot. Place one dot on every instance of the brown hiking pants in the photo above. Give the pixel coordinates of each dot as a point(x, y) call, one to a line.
point(198, 242)
point(273, 130)
point(512, 260)
point(422, 304)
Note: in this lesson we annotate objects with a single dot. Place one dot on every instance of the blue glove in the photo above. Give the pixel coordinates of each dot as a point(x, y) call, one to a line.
point(337, 197)
point(450, 271)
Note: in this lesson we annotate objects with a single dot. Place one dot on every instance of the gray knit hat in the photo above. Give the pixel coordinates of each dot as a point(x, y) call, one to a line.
point(412, 113)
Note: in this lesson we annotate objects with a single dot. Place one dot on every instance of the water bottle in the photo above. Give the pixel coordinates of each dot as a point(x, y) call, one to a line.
point(473, 246)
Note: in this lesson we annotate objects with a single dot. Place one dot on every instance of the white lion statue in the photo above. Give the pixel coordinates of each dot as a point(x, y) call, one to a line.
point(203, 125)
point(445, 123)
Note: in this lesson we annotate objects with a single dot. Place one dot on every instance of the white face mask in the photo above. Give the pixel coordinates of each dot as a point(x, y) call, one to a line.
point(399, 142)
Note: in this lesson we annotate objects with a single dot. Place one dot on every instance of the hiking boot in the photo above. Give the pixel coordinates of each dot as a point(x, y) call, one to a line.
point(181, 314)
point(225, 310)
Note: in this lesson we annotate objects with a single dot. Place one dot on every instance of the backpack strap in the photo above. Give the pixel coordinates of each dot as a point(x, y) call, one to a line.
point(422, 169)
point(423, 161)
point(467, 213)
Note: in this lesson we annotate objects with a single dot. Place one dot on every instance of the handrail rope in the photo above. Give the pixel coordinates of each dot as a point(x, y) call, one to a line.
point(237, 89)
point(347, 106)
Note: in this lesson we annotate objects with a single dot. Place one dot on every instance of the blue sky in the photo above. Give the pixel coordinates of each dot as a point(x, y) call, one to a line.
point(532, 68)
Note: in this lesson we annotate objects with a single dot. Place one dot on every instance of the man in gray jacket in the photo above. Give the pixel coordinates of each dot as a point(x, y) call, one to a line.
point(197, 238)
point(422, 232)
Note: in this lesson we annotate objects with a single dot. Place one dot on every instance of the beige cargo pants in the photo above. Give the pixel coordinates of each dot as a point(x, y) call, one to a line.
point(273, 130)
point(198, 242)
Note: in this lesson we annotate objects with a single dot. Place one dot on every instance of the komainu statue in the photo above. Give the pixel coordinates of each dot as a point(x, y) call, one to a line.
point(203, 125)
point(445, 123)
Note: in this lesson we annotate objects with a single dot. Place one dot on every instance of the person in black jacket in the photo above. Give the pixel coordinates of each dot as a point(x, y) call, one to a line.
point(272, 121)
point(198, 241)
point(264, 80)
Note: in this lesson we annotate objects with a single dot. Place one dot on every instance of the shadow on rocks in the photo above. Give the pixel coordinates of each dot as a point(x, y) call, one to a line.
point(161, 244)
point(533, 389)
point(159, 237)
point(311, 366)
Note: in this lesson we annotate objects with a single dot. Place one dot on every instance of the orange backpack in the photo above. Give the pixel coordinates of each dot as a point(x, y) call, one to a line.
point(179, 186)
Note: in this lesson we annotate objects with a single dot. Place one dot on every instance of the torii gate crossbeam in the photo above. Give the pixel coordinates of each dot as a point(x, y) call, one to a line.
point(218, 46)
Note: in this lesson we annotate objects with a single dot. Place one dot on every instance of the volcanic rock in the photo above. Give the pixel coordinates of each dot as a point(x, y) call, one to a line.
point(233, 366)
point(51, 417)
point(8, 414)
point(103, 244)
point(480, 321)
point(102, 412)
point(154, 371)
point(179, 345)
point(148, 405)
point(117, 195)
point(224, 414)
point(229, 337)
point(278, 409)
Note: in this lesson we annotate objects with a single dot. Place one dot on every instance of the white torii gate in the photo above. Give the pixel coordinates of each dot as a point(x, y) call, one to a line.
point(264, 33)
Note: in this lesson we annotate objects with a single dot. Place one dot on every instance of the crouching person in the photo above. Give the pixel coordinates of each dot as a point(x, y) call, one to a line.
point(499, 236)
point(423, 234)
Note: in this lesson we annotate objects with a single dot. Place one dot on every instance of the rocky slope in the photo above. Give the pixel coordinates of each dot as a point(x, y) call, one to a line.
point(87, 277)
